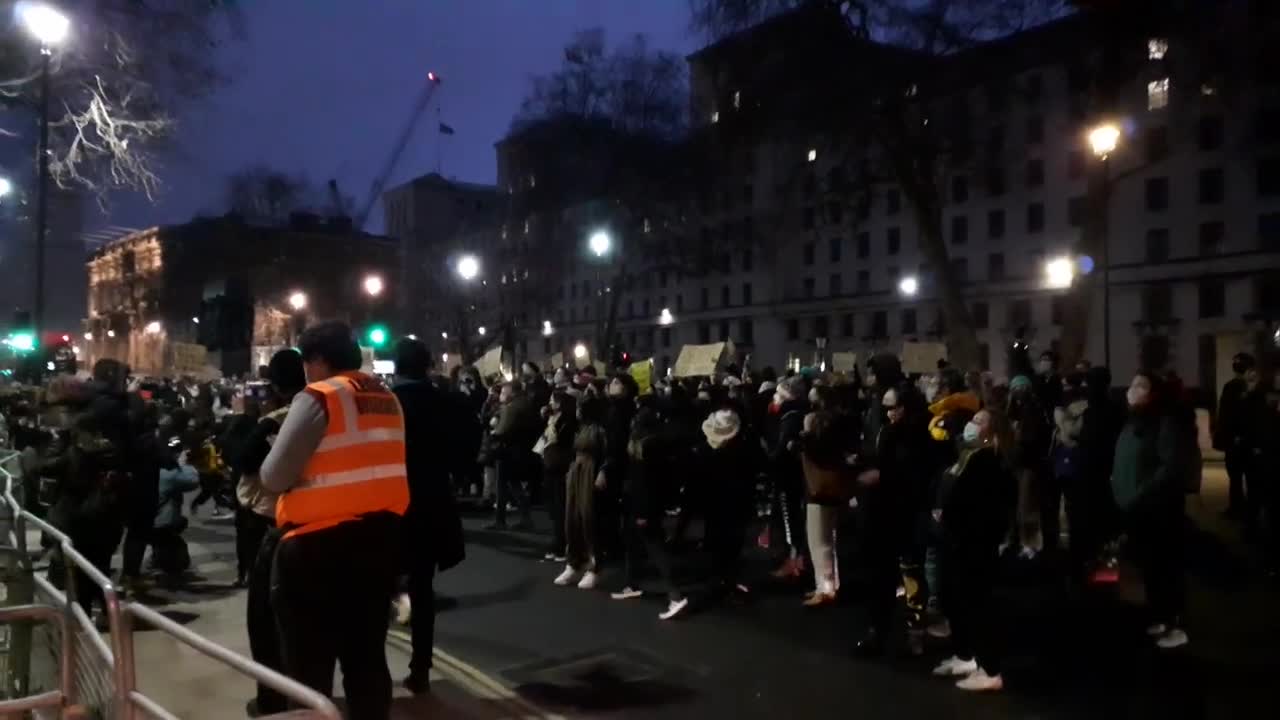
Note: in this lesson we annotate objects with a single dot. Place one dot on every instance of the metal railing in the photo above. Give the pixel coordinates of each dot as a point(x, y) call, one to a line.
point(92, 673)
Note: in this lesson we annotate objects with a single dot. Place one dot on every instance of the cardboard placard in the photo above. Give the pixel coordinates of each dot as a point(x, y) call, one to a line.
point(557, 361)
point(699, 360)
point(845, 362)
point(490, 363)
point(922, 357)
point(188, 358)
point(642, 373)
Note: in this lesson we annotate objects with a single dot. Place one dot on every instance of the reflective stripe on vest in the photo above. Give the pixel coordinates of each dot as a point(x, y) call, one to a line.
point(359, 465)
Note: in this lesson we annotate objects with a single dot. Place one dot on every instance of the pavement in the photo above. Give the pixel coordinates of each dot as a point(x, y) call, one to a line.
point(510, 644)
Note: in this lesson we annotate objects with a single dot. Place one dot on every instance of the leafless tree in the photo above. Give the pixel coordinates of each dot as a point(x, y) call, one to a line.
point(261, 193)
point(116, 83)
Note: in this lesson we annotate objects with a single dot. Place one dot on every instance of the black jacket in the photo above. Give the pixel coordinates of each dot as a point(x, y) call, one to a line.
point(436, 428)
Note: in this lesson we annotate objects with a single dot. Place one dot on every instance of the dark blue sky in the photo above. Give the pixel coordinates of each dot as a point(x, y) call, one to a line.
point(322, 87)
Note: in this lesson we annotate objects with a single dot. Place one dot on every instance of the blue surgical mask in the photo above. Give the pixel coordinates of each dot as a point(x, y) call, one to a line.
point(971, 433)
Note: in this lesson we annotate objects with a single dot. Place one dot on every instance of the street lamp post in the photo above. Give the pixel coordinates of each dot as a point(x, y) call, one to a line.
point(468, 269)
point(49, 26)
point(1103, 140)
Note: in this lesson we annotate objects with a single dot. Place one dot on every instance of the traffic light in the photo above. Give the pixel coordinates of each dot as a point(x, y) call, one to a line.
point(377, 336)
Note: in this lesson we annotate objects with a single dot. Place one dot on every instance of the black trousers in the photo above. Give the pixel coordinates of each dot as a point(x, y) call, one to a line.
point(1157, 540)
point(648, 540)
point(250, 529)
point(260, 618)
point(422, 621)
point(1237, 461)
point(514, 468)
point(331, 590)
point(968, 585)
point(138, 534)
point(555, 487)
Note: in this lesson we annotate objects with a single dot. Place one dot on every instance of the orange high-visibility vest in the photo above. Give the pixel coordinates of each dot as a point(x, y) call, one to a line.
point(358, 468)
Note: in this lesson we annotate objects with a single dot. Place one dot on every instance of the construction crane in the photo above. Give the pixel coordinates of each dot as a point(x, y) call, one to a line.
point(402, 141)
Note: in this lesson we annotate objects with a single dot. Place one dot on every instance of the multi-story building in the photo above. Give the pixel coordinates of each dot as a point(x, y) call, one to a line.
point(231, 287)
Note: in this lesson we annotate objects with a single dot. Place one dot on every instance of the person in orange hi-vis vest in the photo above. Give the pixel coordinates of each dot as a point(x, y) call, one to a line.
point(339, 464)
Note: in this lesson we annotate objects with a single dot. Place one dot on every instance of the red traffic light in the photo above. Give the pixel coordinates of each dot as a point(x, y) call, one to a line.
point(433, 77)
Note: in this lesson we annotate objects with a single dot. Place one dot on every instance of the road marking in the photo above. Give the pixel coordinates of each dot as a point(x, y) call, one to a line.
point(477, 681)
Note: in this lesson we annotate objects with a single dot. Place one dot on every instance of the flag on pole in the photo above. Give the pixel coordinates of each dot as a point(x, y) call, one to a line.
point(446, 129)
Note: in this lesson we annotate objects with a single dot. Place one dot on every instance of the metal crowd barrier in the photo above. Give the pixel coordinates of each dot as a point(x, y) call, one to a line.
point(97, 678)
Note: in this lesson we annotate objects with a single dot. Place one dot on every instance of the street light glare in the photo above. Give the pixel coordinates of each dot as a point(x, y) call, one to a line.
point(909, 285)
point(579, 351)
point(6, 187)
point(373, 285)
point(152, 327)
point(1104, 138)
point(44, 22)
point(1059, 272)
point(665, 317)
point(547, 329)
point(468, 267)
point(600, 243)
point(481, 330)
point(298, 300)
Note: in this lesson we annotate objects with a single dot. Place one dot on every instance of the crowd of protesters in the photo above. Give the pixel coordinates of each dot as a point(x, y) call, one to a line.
point(947, 475)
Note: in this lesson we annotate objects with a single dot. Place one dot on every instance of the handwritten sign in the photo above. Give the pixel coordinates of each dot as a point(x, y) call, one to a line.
point(699, 360)
point(642, 373)
point(922, 357)
point(188, 358)
point(557, 361)
point(845, 362)
point(490, 363)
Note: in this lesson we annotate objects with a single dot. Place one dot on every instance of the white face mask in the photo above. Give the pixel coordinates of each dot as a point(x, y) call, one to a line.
point(930, 392)
point(778, 399)
point(971, 433)
point(1135, 397)
point(1046, 367)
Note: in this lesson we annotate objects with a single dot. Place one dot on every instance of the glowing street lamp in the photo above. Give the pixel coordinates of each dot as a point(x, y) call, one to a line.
point(373, 285)
point(600, 243)
point(1104, 139)
point(665, 317)
point(6, 187)
point(909, 286)
point(152, 328)
point(1059, 272)
point(44, 22)
point(481, 330)
point(444, 335)
point(468, 267)
point(579, 351)
point(298, 300)
point(88, 336)
point(547, 329)
point(111, 333)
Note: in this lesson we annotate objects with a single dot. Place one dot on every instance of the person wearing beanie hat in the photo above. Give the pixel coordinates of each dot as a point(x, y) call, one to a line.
point(787, 474)
point(1019, 383)
point(730, 468)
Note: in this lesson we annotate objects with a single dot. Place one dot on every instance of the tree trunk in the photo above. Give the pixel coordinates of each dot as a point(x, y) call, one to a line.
point(611, 323)
point(1073, 344)
point(961, 338)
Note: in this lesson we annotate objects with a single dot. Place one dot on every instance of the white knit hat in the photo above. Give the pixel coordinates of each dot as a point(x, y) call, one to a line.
point(720, 427)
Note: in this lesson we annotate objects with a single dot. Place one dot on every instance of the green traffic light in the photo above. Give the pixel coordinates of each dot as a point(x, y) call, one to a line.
point(377, 336)
point(22, 341)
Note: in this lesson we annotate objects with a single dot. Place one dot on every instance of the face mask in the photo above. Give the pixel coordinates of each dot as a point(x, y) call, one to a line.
point(778, 399)
point(1046, 367)
point(971, 433)
point(1135, 397)
point(930, 392)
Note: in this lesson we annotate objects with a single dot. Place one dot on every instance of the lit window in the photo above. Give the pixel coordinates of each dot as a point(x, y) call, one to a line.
point(1158, 94)
point(533, 181)
point(715, 116)
point(504, 232)
point(737, 99)
point(813, 154)
point(526, 227)
point(1156, 48)
point(1208, 90)
point(647, 227)
point(912, 90)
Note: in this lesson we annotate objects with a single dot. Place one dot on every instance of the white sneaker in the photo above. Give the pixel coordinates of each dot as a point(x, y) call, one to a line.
point(1171, 639)
point(588, 580)
point(627, 593)
point(1157, 630)
point(980, 681)
point(404, 609)
point(955, 667)
point(674, 608)
point(222, 515)
point(566, 577)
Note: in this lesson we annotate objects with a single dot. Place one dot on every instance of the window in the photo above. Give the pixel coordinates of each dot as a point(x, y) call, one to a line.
point(631, 309)
point(746, 293)
point(808, 287)
point(662, 279)
point(1269, 231)
point(835, 249)
point(821, 326)
point(724, 330)
point(908, 321)
point(725, 299)
point(1156, 194)
point(679, 303)
point(706, 298)
point(1269, 176)
point(1057, 309)
point(807, 221)
point(704, 333)
point(894, 241)
point(748, 195)
point(864, 245)
point(960, 269)
point(835, 213)
point(746, 261)
point(1035, 172)
point(793, 329)
point(1156, 48)
point(1213, 298)
point(1035, 129)
point(808, 254)
point(980, 313)
point(880, 324)
point(836, 289)
point(864, 281)
point(995, 267)
point(1019, 314)
point(746, 331)
point(892, 202)
point(1157, 245)
point(666, 337)
point(715, 116)
point(846, 325)
point(959, 189)
point(1211, 132)
point(995, 141)
point(737, 99)
point(1035, 217)
point(813, 154)
point(1076, 208)
point(995, 224)
point(984, 355)
point(1211, 186)
point(1033, 87)
point(1075, 164)
point(959, 230)
point(1158, 94)
point(995, 181)
point(1212, 235)
point(1156, 143)
point(1157, 303)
